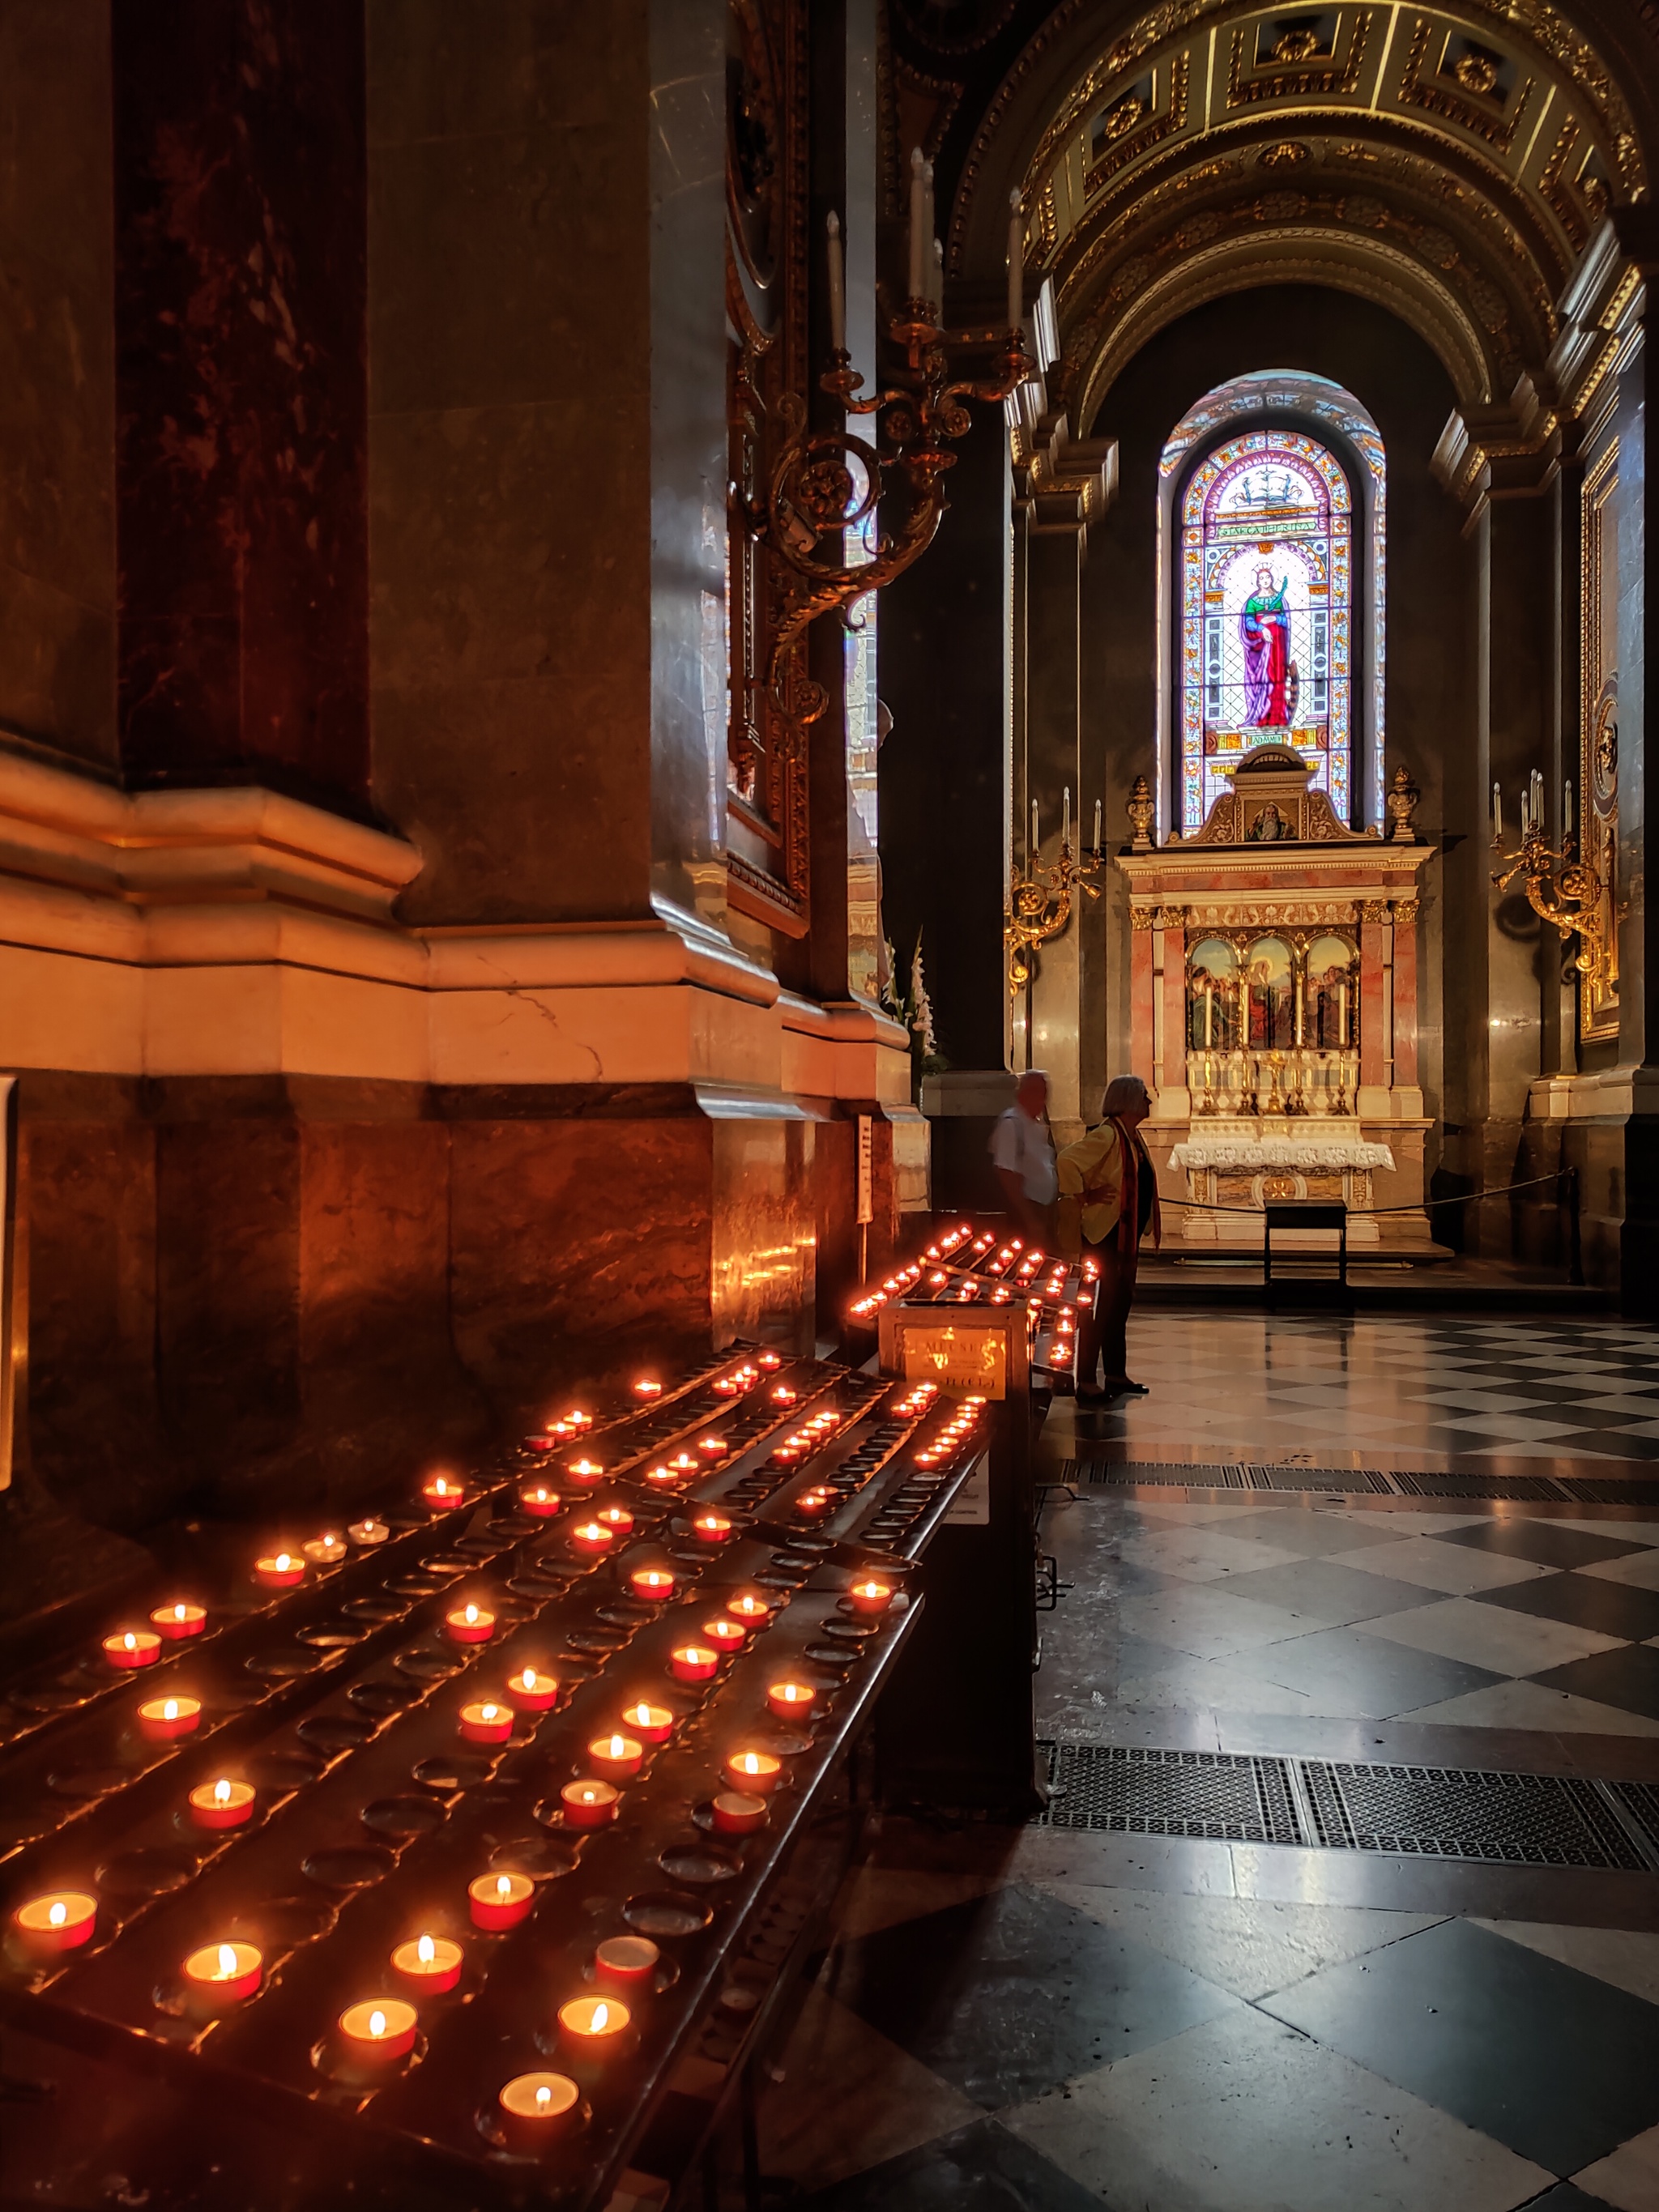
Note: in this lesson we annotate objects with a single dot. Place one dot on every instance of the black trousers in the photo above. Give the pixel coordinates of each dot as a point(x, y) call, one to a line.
point(1103, 1332)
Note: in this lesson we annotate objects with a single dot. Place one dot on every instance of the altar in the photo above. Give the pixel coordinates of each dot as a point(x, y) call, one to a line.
point(1274, 1009)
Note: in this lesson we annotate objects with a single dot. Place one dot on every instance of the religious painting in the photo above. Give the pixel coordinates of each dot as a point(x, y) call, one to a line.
point(1266, 618)
point(1597, 825)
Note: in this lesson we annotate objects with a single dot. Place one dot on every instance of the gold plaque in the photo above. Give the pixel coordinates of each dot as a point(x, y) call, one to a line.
point(972, 1360)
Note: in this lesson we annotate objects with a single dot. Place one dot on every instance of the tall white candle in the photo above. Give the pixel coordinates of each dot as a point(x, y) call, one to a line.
point(837, 286)
point(919, 231)
point(1097, 825)
point(1015, 261)
point(1498, 814)
point(1566, 809)
point(1035, 840)
point(1066, 816)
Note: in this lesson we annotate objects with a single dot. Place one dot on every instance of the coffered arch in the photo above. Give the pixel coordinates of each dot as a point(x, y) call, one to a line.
point(1452, 164)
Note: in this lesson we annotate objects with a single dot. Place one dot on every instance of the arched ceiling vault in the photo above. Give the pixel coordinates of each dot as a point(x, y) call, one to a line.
point(1452, 164)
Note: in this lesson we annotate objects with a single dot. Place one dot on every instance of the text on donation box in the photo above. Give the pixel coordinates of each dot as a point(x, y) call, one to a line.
point(972, 1360)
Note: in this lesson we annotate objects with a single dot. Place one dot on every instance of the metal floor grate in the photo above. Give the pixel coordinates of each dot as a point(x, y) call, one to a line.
point(1171, 1793)
point(1237, 1474)
point(1417, 1812)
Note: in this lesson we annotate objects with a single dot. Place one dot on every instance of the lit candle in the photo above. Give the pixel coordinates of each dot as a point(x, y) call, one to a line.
point(222, 1804)
point(618, 1757)
point(325, 1551)
point(177, 1621)
point(163, 1720)
point(737, 1815)
point(616, 1518)
point(1017, 276)
point(870, 1596)
point(223, 1974)
point(791, 1701)
point(588, 1803)
point(724, 1635)
point(575, 1418)
point(813, 1505)
point(837, 286)
point(379, 2031)
point(695, 1663)
point(368, 1534)
point(537, 2109)
point(770, 1360)
point(279, 1570)
point(132, 1647)
point(749, 1607)
point(470, 1624)
point(712, 1447)
point(538, 1501)
point(651, 1723)
point(783, 1396)
point(534, 1693)
point(918, 222)
point(664, 1477)
point(652, 1584)
point(500, 1900)
point(754, 1773)
point(486, 1722)
point(645, 1388)
point(592, 1538)
point(626, 1965)
point(1096, 825)
point(711, 1529)
point(60, 1921)
point(583, 1473)
point(428, 1966)
point(593, 2027)
point(444, 1491)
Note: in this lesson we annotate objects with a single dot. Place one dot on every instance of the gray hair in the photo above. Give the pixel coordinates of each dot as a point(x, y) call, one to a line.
point(1123, 1094)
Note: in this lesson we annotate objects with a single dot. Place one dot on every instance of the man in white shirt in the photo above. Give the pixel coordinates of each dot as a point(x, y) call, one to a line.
point(1023, 1154)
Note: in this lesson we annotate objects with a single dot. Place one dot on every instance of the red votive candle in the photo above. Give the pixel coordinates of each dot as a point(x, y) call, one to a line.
point(753, 1773)
point(813, 1505)
point(749, 1607)
point(163, 1720)
point(443, 1490)
point(737, 1815)
point(651, 1584)
point(486, 1722)
point(176, 1621)
point(280, 1570)
point(62, 1920)
point(575, 1418)
point(585, 1472)
point(616, 1518)
point(871, 1596)
point(711, 1529)
point(130, 1648)
point(645, 1389)
point(589, 1804)
point(592, 1538)
point(626, 1965)
point(791, 1701)
point(500, 1900)
point(427, 1965)
point(593, 2027)
point(538, 1501)
point(769, 1360)
point(664, 1477)
point(615, 1758)
point(727, 1636)
point(783, 1396)
point(222, 1804)
point(651, 1723)
point(470, 1624)
point(532, 1691)
point(377, 2032)
point(537, 2109)
point(693, 1662)
point(223, 1974)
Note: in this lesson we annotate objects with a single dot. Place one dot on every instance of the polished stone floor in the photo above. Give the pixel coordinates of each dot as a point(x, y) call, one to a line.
point(1045, 2018)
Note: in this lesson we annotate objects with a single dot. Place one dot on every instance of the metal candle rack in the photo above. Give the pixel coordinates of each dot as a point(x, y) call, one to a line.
point(339, 1702)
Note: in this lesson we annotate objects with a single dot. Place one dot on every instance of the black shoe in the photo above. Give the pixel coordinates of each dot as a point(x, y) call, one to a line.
point(1122, 1387)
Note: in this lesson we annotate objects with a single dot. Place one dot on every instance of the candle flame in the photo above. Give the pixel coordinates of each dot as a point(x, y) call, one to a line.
point(227, 1962)
point(377, 2023)
point(529, 1678)
point(749, 1763)
point(489, 1712)
point(617, 1746)
point(426, 1950)
point(601, 2017)
point(221, 1793)
point(177, 1612)
point(283, 1562)
point(58, 1914)
point(471, 1615)
point(441, 1487)
point(504, 1884)
point(170, 1710)
point(130, 1641)
point(544, 2098)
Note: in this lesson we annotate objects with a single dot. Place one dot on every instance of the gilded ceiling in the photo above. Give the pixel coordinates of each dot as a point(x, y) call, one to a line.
point(1450, 164)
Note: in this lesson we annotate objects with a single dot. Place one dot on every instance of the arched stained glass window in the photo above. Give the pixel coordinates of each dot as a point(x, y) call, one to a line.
point(1278, 588)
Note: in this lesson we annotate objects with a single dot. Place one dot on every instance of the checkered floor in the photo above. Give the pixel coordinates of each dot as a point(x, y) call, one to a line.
point(1256, 1386)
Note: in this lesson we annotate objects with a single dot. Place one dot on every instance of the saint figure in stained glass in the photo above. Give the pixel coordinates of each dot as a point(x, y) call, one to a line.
point(1265, 628)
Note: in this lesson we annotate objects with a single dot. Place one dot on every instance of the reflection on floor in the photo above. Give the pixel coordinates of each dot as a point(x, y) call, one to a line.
point(1047, 2019)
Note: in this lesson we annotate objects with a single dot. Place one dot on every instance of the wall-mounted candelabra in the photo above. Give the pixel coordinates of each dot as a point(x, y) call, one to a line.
point(1040, 897)
point(825, 486)
point(1564, 888)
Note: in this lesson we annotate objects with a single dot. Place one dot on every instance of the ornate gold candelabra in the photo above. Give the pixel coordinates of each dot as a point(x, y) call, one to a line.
point(825, 483)
point(1562, 887)
point(1040, 906)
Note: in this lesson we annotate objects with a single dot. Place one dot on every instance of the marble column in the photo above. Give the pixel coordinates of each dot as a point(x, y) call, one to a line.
point(1047, 763)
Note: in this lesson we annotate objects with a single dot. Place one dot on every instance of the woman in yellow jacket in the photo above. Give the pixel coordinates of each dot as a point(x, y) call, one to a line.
point(1108, 1199)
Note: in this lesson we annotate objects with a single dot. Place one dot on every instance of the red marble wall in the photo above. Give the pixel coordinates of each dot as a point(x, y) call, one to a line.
point(240, 291)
